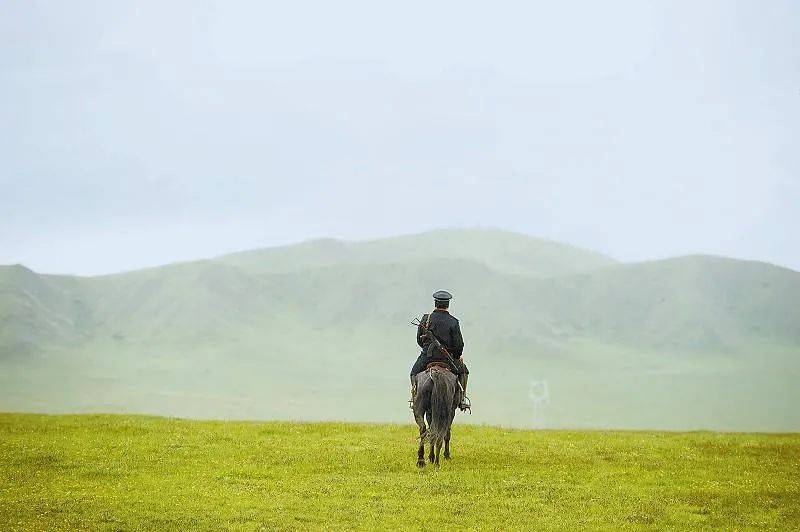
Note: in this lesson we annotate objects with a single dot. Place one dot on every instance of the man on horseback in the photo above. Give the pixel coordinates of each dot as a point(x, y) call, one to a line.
point(439, 336)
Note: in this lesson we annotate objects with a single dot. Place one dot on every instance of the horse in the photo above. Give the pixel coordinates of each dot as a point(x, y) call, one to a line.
point(436, 399)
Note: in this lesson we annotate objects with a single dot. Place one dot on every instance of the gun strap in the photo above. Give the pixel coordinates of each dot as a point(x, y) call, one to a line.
point(443, 349)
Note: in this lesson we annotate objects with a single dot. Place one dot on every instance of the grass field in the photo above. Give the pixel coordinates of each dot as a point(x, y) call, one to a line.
point(131, 472)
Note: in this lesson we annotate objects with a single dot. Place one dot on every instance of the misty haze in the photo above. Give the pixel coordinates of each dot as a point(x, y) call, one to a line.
point(290, 332)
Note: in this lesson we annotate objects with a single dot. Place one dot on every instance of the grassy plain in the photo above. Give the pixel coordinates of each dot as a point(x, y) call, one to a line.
point(132, 472)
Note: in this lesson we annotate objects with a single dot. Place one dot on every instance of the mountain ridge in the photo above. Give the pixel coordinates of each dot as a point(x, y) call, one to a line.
point(343, 244)
point(237, 338)
point(502, 250)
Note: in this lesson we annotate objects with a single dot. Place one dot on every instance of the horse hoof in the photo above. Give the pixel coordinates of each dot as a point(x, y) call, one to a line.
point(447, 457)
point(420, 463)
point(437, 465)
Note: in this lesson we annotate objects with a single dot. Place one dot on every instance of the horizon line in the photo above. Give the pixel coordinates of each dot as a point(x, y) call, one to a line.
point(368, 240)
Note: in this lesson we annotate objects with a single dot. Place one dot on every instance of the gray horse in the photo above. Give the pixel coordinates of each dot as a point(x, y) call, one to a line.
point(436, 400)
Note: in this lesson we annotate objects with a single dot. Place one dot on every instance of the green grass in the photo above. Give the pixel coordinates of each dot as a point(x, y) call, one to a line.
point(131, 472)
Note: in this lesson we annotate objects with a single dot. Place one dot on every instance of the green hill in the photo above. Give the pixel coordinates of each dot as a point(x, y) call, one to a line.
point(321, 331)
point(144, 473)
point(696, 302)
point(502, 251)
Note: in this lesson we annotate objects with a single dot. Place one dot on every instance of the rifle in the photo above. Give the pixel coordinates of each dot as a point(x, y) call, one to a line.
point(432, 337)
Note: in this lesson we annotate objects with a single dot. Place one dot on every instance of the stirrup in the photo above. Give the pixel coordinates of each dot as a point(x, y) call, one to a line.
point(465, 405)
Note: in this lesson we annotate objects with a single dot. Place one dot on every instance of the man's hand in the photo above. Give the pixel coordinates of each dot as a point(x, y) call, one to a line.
point(461, 359)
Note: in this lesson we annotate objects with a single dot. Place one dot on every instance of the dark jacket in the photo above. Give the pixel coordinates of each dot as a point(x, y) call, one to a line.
point(446, 328)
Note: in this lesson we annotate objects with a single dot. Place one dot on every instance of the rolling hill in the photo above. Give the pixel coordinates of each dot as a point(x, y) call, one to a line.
point(320, 330)
point(502, 251)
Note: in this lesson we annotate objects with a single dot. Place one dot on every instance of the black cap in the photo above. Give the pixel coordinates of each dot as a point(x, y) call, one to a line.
point(442, 295)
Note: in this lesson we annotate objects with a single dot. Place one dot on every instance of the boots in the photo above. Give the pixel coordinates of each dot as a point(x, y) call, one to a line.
point(464, 404)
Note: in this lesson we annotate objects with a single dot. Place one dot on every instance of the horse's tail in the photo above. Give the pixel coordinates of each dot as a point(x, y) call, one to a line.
point(441, 403)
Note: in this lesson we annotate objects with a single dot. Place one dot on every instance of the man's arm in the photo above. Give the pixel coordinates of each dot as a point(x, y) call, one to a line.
point(421, 332)
point(457, 341)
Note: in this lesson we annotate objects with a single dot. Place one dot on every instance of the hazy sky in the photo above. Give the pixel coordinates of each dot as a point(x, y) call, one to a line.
point(139, 133)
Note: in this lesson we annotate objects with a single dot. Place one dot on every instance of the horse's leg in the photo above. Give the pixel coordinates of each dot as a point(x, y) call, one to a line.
point(447, 446)
point(421, 451)
point(430, 454)
point(438, 452)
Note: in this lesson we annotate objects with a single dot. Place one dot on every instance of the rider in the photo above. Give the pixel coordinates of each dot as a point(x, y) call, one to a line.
point(447, 330)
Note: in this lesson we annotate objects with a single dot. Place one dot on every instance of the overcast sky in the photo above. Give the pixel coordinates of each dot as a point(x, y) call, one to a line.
point(140, 133)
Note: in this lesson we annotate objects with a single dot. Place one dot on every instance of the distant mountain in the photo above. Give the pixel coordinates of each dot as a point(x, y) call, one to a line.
point(320, 330)
point(503, 251)
point(695, 302)
point(34, 311)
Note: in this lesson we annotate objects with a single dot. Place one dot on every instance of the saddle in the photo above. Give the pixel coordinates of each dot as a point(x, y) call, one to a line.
point(438, 365)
